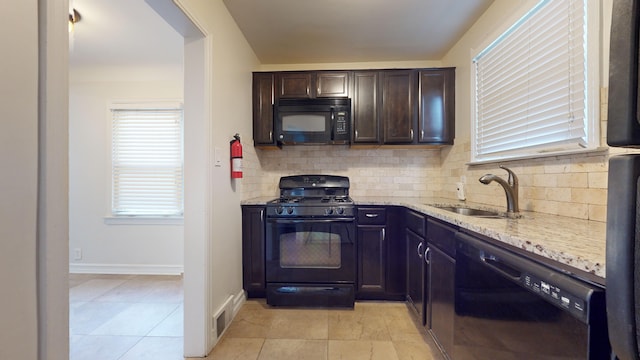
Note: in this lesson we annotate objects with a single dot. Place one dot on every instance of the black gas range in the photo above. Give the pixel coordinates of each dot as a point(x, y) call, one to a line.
point(310, 243)
point(316, 196)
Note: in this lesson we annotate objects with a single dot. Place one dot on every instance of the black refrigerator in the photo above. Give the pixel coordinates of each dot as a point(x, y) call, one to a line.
point(623, 220)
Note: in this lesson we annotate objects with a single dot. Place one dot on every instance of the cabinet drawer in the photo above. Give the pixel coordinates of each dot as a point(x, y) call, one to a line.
point(442, 236)
point(372, 216)
point(416, 222)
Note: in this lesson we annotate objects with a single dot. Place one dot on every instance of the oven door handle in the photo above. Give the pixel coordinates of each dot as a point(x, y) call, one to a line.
point(311, 221)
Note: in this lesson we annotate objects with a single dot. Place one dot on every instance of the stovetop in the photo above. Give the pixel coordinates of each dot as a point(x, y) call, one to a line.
point(312, 200)
point(311, 207)
point(312, 196)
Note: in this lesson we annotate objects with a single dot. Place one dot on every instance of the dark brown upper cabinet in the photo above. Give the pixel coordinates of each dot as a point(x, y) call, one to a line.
point(332, 84)
point(366, 125)
point(294, 85)
point(398, 113)
point(263, 99)
point(389, 107)
point(436, 121)
point(312, 84)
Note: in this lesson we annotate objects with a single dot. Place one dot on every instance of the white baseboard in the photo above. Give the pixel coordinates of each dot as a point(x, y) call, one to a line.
point(133, 269)
point(238, 300)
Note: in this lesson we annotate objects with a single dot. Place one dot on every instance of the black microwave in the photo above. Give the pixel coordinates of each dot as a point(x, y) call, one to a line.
point(313, 121)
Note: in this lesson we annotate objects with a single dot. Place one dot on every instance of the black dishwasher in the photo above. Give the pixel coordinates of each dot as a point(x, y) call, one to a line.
point(509, 307)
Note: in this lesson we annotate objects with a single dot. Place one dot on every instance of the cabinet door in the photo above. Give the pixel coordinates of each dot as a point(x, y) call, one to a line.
point(365, 107)
point(295, 85)
point(253, 256)
point(263, 109)
point(441, 290)
point(415, 273)
point(398, 114)
point(436, 122)
point(396, 286)
point(332, 84)
point(371, 259)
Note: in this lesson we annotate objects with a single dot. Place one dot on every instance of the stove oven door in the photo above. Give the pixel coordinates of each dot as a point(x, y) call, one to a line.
point(311, 250)
point(310, 262)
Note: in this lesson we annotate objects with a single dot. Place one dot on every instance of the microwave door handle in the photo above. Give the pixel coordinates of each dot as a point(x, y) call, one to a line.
point(332, 124)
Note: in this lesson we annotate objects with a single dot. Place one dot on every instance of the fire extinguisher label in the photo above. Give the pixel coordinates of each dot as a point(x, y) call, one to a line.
point(236, 164)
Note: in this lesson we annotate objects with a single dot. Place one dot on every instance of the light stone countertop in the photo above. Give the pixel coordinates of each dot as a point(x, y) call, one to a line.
point(574, 242)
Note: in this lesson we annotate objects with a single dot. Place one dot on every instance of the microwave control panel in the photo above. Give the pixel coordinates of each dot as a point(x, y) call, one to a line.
point(341, 122)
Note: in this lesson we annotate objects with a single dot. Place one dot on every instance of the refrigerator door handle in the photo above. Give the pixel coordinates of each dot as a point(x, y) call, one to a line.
point(621, 250)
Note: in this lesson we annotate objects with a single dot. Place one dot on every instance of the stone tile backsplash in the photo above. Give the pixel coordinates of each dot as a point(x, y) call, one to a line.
point(392, 172)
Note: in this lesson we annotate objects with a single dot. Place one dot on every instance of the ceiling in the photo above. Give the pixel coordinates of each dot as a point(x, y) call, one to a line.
point(123, 33)
point(130, 33)
point(307, 31)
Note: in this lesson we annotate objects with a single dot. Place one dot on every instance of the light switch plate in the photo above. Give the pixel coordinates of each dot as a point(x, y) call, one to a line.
point(217, 157)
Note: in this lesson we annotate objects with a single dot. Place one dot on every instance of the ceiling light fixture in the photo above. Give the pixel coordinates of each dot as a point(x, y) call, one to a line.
point(74, 17)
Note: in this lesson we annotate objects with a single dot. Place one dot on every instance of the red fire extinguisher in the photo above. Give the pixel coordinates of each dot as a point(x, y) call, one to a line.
point(236, 157)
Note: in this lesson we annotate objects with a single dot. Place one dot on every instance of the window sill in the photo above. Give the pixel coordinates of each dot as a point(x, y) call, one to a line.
point(591, 151)
point(143, 220)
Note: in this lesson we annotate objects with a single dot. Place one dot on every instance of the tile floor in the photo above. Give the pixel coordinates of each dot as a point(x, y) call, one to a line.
point(125, 317)
point(140, 317)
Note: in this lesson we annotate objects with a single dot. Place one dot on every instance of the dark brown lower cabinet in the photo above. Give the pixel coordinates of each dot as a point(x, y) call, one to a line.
point(415, 232)
point(440, 283)
point(372, 259)
point(380, 273)
point(415, 274)
point(253, 256)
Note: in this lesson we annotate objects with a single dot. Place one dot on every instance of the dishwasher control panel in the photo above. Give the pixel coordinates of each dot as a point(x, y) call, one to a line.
point(555, 295)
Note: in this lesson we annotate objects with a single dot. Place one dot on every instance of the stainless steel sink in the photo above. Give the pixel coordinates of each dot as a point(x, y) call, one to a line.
point(472, 212)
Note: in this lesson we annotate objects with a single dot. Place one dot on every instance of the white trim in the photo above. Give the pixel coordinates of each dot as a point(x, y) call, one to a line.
point(151, 104)
point(595, 151)
point(133, 269)
point(142, 220)
point(52, 249)
point(238, 300)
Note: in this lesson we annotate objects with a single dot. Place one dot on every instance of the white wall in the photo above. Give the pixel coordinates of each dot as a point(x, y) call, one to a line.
point(19, 179)
point(229, 62)
point(33, 205)
point(109, 248)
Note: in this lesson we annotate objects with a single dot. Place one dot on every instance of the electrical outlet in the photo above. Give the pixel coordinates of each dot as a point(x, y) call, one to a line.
point(77, 254)
point(460, 191)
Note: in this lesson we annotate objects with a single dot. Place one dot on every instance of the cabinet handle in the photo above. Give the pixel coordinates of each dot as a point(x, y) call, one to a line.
point(371, 215)
point(426, 255)
point(420, 245)
point(356, 133)
point(261, 215)
point(384, 234)
point(421, 134)
point(270, 136)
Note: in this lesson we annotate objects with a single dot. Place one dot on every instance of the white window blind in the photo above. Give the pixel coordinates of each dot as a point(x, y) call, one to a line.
point(531, 85)
point(147, 161)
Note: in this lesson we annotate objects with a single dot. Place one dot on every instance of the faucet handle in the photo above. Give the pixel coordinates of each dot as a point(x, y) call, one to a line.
point(513, 179)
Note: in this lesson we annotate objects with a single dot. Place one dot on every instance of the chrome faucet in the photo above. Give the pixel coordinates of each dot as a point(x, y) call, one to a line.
point(510, 188)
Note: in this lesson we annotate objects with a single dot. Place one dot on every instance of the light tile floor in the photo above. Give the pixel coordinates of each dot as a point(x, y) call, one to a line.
point(140, 317)
point(125, 317)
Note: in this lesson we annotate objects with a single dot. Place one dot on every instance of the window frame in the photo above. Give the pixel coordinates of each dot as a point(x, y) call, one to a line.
point(138, 219)
point(592, 90)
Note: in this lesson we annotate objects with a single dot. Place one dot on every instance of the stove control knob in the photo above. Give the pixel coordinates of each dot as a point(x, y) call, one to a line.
point(328, 211)
point(340, 211)
point(289, 210)
point(279, 210)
